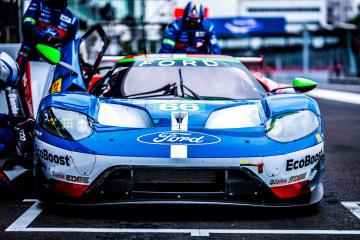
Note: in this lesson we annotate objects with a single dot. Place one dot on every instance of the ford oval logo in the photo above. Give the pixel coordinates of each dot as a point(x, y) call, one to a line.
point(178, 138)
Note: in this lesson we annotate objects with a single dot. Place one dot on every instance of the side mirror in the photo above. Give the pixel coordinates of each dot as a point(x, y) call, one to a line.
point(52, 56)
point(49, 54)
point(302, 85)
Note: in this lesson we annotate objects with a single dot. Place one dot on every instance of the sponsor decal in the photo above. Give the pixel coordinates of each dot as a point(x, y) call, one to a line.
point(200, 34)
point(318, 138)
point(292, 164)
point(297, 178)
point(45, 15)
point(58, 175)
point(53, 158)
point(244, 161)
point(14, 105)
point(51, 31)
point(41, 19)
point(70, 178)
point(22, 135)
point(77, 179)
point(292, 179)
point(278, 181)
point(63, 25)
point(184, 63)
point(181, 138)
point(65, 18)
point(56, 87)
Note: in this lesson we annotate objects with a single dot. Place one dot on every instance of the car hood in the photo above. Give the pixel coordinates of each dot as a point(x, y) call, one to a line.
point(161, 110)
point(197, 112)
point(183, 122)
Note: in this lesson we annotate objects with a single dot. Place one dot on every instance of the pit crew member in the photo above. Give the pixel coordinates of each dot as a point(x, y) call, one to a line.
point(191, 33)
point(48, 22)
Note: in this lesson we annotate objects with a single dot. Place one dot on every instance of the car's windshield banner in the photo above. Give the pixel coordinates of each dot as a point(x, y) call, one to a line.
point(180, 62)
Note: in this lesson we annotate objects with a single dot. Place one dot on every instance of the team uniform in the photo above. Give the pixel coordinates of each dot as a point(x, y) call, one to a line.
point(7, 141)
point(42, 23)
point(45, 21)
point(9, 72)
point(6, 135)
point(180, 39)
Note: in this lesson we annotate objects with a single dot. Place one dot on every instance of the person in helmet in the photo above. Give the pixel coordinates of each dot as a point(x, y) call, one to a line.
point(48, 22)
point(191, 33)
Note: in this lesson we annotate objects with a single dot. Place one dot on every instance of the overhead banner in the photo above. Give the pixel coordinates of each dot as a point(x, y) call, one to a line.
point(229, 27)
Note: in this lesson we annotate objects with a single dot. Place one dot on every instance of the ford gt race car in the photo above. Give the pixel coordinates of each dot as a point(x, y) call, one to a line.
point(183, 129)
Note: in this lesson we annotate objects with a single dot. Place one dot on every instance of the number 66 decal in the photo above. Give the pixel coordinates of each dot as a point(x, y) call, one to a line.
point(189, 107)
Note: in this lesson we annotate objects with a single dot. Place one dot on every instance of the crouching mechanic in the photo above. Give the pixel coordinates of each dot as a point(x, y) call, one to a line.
point(191, 33)
point(47, 22)
point(9, 75)
point(7, 142)
point(15, 129)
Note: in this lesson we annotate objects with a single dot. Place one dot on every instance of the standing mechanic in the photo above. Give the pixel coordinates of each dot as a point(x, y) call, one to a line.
point(191, 33)
point(48, 22)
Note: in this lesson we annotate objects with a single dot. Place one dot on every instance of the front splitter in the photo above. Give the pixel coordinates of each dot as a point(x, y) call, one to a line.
point(312, 199)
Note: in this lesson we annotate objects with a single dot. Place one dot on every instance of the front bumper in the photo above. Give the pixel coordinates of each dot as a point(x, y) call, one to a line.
point(109, 189)
point(124, 180)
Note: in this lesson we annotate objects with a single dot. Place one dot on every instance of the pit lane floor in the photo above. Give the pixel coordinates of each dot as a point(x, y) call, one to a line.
point(330, 220)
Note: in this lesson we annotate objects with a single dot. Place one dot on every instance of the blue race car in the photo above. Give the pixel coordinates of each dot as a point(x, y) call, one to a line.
point(184, 129)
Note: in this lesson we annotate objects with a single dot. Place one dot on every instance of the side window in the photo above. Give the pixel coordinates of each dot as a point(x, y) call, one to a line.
point(90, 47)
point(91, 50)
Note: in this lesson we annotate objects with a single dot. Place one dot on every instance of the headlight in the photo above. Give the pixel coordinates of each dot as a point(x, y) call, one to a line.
point(292, 126)
point(66, 124)
point(243, 116)
point(117, 115)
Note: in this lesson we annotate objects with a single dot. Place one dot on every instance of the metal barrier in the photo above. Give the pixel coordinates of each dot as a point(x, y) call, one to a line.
point(345, 80)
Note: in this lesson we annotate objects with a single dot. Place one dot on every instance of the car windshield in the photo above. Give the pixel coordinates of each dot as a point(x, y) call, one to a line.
point(197, 79)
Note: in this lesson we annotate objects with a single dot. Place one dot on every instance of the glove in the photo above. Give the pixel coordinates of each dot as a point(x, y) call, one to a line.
point(7, 121)
point(26, 124)
point(191, 49)
point(206, 50)
point(11, 121)
point(24, 142)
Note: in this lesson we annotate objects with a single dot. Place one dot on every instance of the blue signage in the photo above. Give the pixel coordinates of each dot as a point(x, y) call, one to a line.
point(227, 27)
point(178, 138)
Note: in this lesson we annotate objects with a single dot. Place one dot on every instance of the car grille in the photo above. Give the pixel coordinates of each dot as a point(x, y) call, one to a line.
point(178, 180)
point(174, 183)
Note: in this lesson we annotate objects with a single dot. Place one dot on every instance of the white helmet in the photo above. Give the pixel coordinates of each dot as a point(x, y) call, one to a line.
point(9, 70)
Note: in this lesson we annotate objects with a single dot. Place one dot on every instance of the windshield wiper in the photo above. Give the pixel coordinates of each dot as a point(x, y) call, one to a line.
point(182, 86)
point(168, 89)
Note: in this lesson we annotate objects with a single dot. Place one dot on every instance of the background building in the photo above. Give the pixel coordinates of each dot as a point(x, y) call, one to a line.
point(290, 33)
